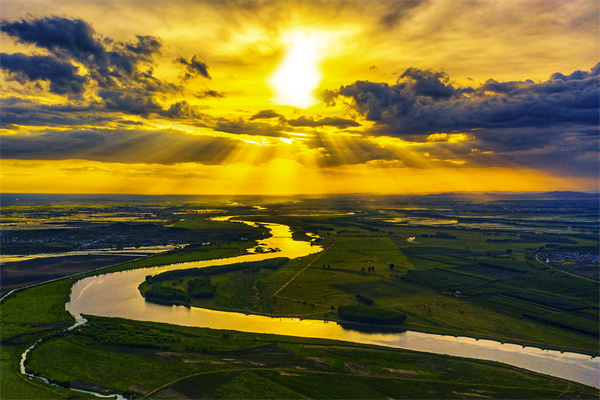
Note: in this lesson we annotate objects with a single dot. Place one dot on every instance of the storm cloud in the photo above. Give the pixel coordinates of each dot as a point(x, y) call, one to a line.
point(124, 67)
point(425, 102)
point(193, 68)
point(62, 76)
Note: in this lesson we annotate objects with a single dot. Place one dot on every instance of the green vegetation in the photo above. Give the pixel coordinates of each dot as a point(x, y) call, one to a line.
point(370, 315)
point(478, 277)
point(201, 288)
point(159, 361)
point(187, 254)
point(273, 264)
point(181, 286)
point(26, 317)
point(167, 295)
point(460, 286)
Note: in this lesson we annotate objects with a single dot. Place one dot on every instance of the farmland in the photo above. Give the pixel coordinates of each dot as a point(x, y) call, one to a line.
point(426, 274)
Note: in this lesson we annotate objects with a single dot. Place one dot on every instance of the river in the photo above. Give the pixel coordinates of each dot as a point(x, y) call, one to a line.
point(117, 295)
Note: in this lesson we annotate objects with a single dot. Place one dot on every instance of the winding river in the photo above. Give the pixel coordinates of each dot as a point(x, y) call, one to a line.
point(116, 295)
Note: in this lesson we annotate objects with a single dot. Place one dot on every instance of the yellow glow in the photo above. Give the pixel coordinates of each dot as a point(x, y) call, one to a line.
point(450, 138)
point(298, 75)
point(277, 176)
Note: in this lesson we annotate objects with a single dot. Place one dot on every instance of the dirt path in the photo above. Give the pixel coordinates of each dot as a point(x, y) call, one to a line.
point(309, 264)
point(560, 270)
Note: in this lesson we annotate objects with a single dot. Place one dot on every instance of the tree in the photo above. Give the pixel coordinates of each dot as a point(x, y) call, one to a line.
point(392, 266)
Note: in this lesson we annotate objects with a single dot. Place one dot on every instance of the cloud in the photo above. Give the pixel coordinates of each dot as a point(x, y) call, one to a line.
point(113, 65)
point(167, 146)
point(64, 37)
point(209, 93)
point(193, 68)
point(62, 76)
point(327, 121)
point(239, 126)
point(122, 102)
point(425, 102)
point(266, 114)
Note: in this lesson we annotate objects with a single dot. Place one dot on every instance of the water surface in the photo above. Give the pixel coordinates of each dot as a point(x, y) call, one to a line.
point(116, 295)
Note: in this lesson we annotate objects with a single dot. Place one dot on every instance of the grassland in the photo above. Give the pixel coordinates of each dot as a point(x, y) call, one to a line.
point(26, 317)
point(466, 286)
point(480, 283)
point(149, 360)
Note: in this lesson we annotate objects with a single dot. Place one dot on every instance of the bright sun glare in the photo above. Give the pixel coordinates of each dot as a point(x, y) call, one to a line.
point(298, 76)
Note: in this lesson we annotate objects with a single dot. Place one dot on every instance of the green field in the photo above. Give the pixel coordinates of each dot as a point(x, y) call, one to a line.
point(469, 282)
point(26, 317)
point(168, 361)
point(423, 284)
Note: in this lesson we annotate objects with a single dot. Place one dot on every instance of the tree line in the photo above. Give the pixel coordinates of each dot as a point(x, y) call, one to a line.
point(371, 315)
point(273, 263)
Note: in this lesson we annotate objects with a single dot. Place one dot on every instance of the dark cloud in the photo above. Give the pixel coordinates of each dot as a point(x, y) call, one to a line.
point(122, 146)
point(239, 126)
point(266, 114)
point(62, 76)
point(209, 93)
point(424, 102)
point(183, 110)
point(61, 36)
point(123, 71)
point(328, 96)
point(193, 68)
point(327, 121)
point(126, 103)
point(146, 47)
point(550, 125)
point(108, 62)
point(434, 85)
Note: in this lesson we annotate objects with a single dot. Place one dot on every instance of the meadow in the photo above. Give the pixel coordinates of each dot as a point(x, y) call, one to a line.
point(483, 283)
point(458, 282)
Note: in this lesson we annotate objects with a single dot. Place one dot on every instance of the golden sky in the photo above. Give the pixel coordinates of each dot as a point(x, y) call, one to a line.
point(299, 97)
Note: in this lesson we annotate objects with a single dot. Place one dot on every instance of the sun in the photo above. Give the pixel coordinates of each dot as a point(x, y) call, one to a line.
point(298, 75)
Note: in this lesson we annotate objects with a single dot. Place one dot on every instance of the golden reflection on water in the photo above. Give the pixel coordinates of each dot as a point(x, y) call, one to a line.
point(116, 295)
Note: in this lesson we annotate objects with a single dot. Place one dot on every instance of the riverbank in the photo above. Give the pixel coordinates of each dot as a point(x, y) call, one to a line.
point(407, 326)
point(270, 362)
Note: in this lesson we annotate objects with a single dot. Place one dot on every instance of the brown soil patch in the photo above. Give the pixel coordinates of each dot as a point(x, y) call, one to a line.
point(288, 373)
point(85, 385)
point(475, 393)
point(402, 371)
point(138, 389)
point(357, 368)
point(168, 354)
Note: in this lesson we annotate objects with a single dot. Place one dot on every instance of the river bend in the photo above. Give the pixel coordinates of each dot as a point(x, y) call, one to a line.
point(116, 295)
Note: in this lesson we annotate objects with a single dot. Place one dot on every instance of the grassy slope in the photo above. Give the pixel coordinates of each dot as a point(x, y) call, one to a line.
point(27, 316)
point(199, 363)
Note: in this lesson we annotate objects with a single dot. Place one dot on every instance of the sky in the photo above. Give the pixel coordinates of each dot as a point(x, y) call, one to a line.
point(299, 97)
